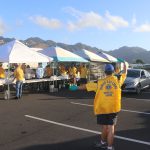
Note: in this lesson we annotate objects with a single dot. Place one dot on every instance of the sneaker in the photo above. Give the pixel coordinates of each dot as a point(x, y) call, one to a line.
point(100, 145)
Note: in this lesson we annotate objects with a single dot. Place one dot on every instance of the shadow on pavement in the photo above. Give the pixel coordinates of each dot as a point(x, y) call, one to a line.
point(80, 94)
point(142, 128)
point(85, 144)
point(142, 95)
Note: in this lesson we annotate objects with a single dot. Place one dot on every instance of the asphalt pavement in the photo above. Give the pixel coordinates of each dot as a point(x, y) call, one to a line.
point(64, 120)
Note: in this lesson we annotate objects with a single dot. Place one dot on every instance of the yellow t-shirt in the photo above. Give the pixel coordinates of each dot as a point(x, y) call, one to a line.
point(83, 72)
point(2, 73)
point(73, 71)
point(63, 70)
point(19, 74)
point(48, 71)
point(108, 94)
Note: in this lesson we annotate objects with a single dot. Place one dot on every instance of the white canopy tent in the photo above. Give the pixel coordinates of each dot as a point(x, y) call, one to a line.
point(107, 56)
point(90, 56)
point(62, 55)
point(17, 52)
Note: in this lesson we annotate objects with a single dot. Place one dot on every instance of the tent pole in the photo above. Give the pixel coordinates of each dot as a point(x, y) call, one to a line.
point(89, 70)
point(8, 89)
point(53, 82)
point(53, 72)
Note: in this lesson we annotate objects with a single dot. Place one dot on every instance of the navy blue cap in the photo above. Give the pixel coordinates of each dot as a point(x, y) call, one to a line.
point(109, 67)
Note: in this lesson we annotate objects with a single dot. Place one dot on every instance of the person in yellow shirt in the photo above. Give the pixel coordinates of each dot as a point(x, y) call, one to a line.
point(62, 69)
point(69, 70)
point(72, 74)
point(48, 71)
point(2, 72)
point(83, 74)
point(117, 70)
point(19, 76)
point(107, 103)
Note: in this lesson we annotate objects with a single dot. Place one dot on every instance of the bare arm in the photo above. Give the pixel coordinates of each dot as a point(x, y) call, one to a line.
point(89, 87)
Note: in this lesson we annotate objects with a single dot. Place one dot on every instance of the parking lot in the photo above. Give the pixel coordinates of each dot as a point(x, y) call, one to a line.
point(64, 121)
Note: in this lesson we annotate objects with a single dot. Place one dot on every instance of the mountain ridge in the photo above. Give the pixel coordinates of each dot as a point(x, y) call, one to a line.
point(130, 54)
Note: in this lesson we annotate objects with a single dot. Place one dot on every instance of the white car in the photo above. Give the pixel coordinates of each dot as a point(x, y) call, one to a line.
point(137, 80)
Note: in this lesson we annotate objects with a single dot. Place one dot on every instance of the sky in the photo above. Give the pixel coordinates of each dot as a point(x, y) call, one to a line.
point(105, 24)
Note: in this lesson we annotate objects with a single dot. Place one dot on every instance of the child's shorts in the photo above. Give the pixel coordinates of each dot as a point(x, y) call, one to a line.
point(107, 119)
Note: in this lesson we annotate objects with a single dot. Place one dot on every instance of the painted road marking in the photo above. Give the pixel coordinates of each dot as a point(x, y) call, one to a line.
point(135, 99)
point(132, 111)
point(86, 130)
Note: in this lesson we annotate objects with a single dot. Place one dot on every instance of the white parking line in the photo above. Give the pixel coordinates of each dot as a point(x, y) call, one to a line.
point(135, 99)
point(86, 130)
point(132, 111)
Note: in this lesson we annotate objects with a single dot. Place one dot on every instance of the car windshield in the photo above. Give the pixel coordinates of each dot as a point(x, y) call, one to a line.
point(133, 73)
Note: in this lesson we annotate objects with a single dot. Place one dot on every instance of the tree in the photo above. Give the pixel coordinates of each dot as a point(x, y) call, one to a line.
point(139, 61)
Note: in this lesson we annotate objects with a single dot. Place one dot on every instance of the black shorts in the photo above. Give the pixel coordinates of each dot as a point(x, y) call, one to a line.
point(83, 80)
point(107, 119)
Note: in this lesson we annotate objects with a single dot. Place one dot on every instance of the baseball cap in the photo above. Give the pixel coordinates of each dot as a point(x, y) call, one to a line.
point(109, 68)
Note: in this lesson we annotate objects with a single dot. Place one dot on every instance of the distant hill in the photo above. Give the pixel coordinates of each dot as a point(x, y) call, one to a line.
point(39, 43)
point(130, 54)
point(5, 40)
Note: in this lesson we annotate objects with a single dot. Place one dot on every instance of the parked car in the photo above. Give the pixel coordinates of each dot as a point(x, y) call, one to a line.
point(137, 80)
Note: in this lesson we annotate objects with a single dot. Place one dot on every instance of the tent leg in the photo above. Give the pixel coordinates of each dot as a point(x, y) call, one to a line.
point(51, 87)
point(7, 92)
point(89, 71)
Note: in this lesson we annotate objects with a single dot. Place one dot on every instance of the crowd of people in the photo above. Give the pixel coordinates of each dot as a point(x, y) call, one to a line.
point(76, 73)
point(21, 72)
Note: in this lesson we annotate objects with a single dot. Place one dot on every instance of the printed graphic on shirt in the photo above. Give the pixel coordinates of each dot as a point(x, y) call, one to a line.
point(107, 87)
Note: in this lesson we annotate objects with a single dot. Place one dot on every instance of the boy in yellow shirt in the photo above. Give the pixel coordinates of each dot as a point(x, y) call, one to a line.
point(107, 103)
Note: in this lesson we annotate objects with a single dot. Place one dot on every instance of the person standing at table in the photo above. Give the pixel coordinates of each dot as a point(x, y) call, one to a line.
point(83, 74)
point(2, 76)
point(73, 74)
point(39, 71)
point(19, 76)
point(62, 69)
point(48, 71)
point(39, 75)
point(2, 72)
point(29, 73)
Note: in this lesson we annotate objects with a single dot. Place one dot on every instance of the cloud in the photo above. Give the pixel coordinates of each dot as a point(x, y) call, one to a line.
point(142, 28)
point(116, 21)
point(2, 27)
point(145, 27)
point(92, 19)
point(46, 22)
